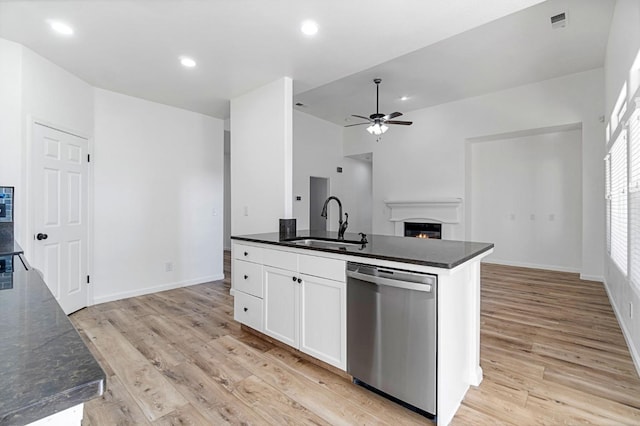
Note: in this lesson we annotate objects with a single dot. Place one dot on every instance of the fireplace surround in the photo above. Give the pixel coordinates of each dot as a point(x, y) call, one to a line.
point(444, 211)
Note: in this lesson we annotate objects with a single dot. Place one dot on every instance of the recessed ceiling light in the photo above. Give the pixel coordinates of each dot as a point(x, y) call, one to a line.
point(309, 28)
point(187, 62)
point(61, 27)
point(404, 98)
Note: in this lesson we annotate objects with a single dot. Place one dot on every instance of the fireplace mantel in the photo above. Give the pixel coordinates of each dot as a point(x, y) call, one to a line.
point(447, 211)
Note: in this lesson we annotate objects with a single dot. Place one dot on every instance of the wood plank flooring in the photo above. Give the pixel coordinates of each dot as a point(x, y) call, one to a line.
point(551, 350)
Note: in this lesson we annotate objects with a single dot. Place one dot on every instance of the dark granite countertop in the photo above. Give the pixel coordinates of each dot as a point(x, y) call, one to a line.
point(437, 253)
point(45, 366)
point(9, 247)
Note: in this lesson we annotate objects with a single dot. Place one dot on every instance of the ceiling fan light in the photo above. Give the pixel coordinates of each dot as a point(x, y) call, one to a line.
point(384, 128)
point(371, 129)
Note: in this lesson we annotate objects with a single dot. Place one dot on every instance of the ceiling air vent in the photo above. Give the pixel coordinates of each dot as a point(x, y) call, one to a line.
point(559, 21)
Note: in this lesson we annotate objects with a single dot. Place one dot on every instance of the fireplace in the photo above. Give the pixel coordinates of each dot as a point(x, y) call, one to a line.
point(423, 230)
point(446, 213)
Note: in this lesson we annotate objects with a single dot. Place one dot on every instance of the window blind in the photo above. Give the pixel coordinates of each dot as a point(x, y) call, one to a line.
point(607, 196)
point(634, 196)
point(619, 245)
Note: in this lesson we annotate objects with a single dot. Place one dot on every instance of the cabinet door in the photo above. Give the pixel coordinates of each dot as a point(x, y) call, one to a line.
point(281, 307)
point(323, 316)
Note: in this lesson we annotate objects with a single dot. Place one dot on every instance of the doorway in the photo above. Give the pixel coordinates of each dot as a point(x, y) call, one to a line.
point(59, 200)
point(318, 193)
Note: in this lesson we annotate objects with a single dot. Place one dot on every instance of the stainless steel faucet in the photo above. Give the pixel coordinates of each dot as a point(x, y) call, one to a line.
point(342, 226)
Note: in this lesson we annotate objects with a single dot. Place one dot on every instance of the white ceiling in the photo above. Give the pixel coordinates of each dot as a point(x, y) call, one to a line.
point(132, 47)
point(514, 50)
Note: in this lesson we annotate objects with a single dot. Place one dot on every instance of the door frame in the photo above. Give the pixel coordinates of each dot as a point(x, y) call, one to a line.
point(30, 200)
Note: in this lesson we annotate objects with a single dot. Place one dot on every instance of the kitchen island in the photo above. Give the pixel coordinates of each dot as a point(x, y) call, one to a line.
point(46, 371)
point(309, 314)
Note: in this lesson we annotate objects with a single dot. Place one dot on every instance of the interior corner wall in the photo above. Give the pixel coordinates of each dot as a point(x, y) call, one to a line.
point(317, 152)
point(262, 158)
point(622, 49)
point(36, 89)
point(158, 174)
point(428, 160)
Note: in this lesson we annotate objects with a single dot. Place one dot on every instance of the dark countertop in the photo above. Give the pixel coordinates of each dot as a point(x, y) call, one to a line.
point(9, 247)
point(45, 366)
point(437, 253)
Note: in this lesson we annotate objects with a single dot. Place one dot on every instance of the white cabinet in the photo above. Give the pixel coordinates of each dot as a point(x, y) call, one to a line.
point(296, 298)
point(246, 280)
point(304, 309)
point(281, 306)
point(323, 320)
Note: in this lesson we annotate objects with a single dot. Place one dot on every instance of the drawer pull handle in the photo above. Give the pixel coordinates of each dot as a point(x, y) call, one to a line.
point(294, 279)
point(246, 276)
point(246, 309)
point(299, 280)
point(246, 254)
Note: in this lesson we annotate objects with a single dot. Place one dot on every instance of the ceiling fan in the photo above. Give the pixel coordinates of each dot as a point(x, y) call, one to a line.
point(378, 122)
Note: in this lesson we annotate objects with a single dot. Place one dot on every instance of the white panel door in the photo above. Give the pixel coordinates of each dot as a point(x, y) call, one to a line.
point(60, 170)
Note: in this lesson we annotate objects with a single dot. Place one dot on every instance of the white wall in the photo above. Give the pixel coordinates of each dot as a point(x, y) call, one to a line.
point(317, 151)
point(428, 159)
point(227, 190)
point(622, 49)
point(529, 187)
point(158, 197)
point(10, 123)
point(34, 88)
point(261, 158)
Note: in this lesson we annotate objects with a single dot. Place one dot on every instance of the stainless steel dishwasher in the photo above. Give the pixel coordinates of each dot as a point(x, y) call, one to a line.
point(391, 333)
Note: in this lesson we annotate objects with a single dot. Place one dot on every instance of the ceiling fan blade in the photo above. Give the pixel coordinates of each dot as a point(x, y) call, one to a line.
point(404, 123)
point(359, 116)
point(393, 115)
point(358, 124)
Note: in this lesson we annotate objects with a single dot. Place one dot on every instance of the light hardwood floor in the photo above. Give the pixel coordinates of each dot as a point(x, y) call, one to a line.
point(552, 353)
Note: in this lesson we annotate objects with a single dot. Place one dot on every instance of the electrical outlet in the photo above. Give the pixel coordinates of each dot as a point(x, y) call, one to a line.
point(168, 267)
point(246, 210)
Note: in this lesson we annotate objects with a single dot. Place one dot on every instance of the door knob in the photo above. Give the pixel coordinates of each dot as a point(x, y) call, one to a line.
point(41, 236)
point(299, 280)
point(246, 276)
point(294, 278)
point(246, 309)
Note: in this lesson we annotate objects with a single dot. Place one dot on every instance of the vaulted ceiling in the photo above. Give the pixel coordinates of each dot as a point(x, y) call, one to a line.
point(433, 51)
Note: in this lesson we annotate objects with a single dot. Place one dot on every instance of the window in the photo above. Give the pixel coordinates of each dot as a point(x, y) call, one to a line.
point(619, 246)
point(607, 196)
point(634, 196)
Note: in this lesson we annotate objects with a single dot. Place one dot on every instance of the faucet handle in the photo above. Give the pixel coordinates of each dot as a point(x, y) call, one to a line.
point(364, 237)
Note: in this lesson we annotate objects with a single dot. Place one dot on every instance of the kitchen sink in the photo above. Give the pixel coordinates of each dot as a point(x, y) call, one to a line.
point(316, 242)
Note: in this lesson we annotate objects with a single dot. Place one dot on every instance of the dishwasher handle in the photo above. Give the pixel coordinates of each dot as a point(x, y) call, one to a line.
point(407, 285)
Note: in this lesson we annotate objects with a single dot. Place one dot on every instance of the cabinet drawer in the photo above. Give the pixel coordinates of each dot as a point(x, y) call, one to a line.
point(248, 253)
point(332, 269)
point(247, 310)
point(247, 277)
point(280, 259)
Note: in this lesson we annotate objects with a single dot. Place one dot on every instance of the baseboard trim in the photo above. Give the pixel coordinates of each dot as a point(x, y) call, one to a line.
point(155, 289)
point(532, 265)
point(597, 278)
point(635, 356)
